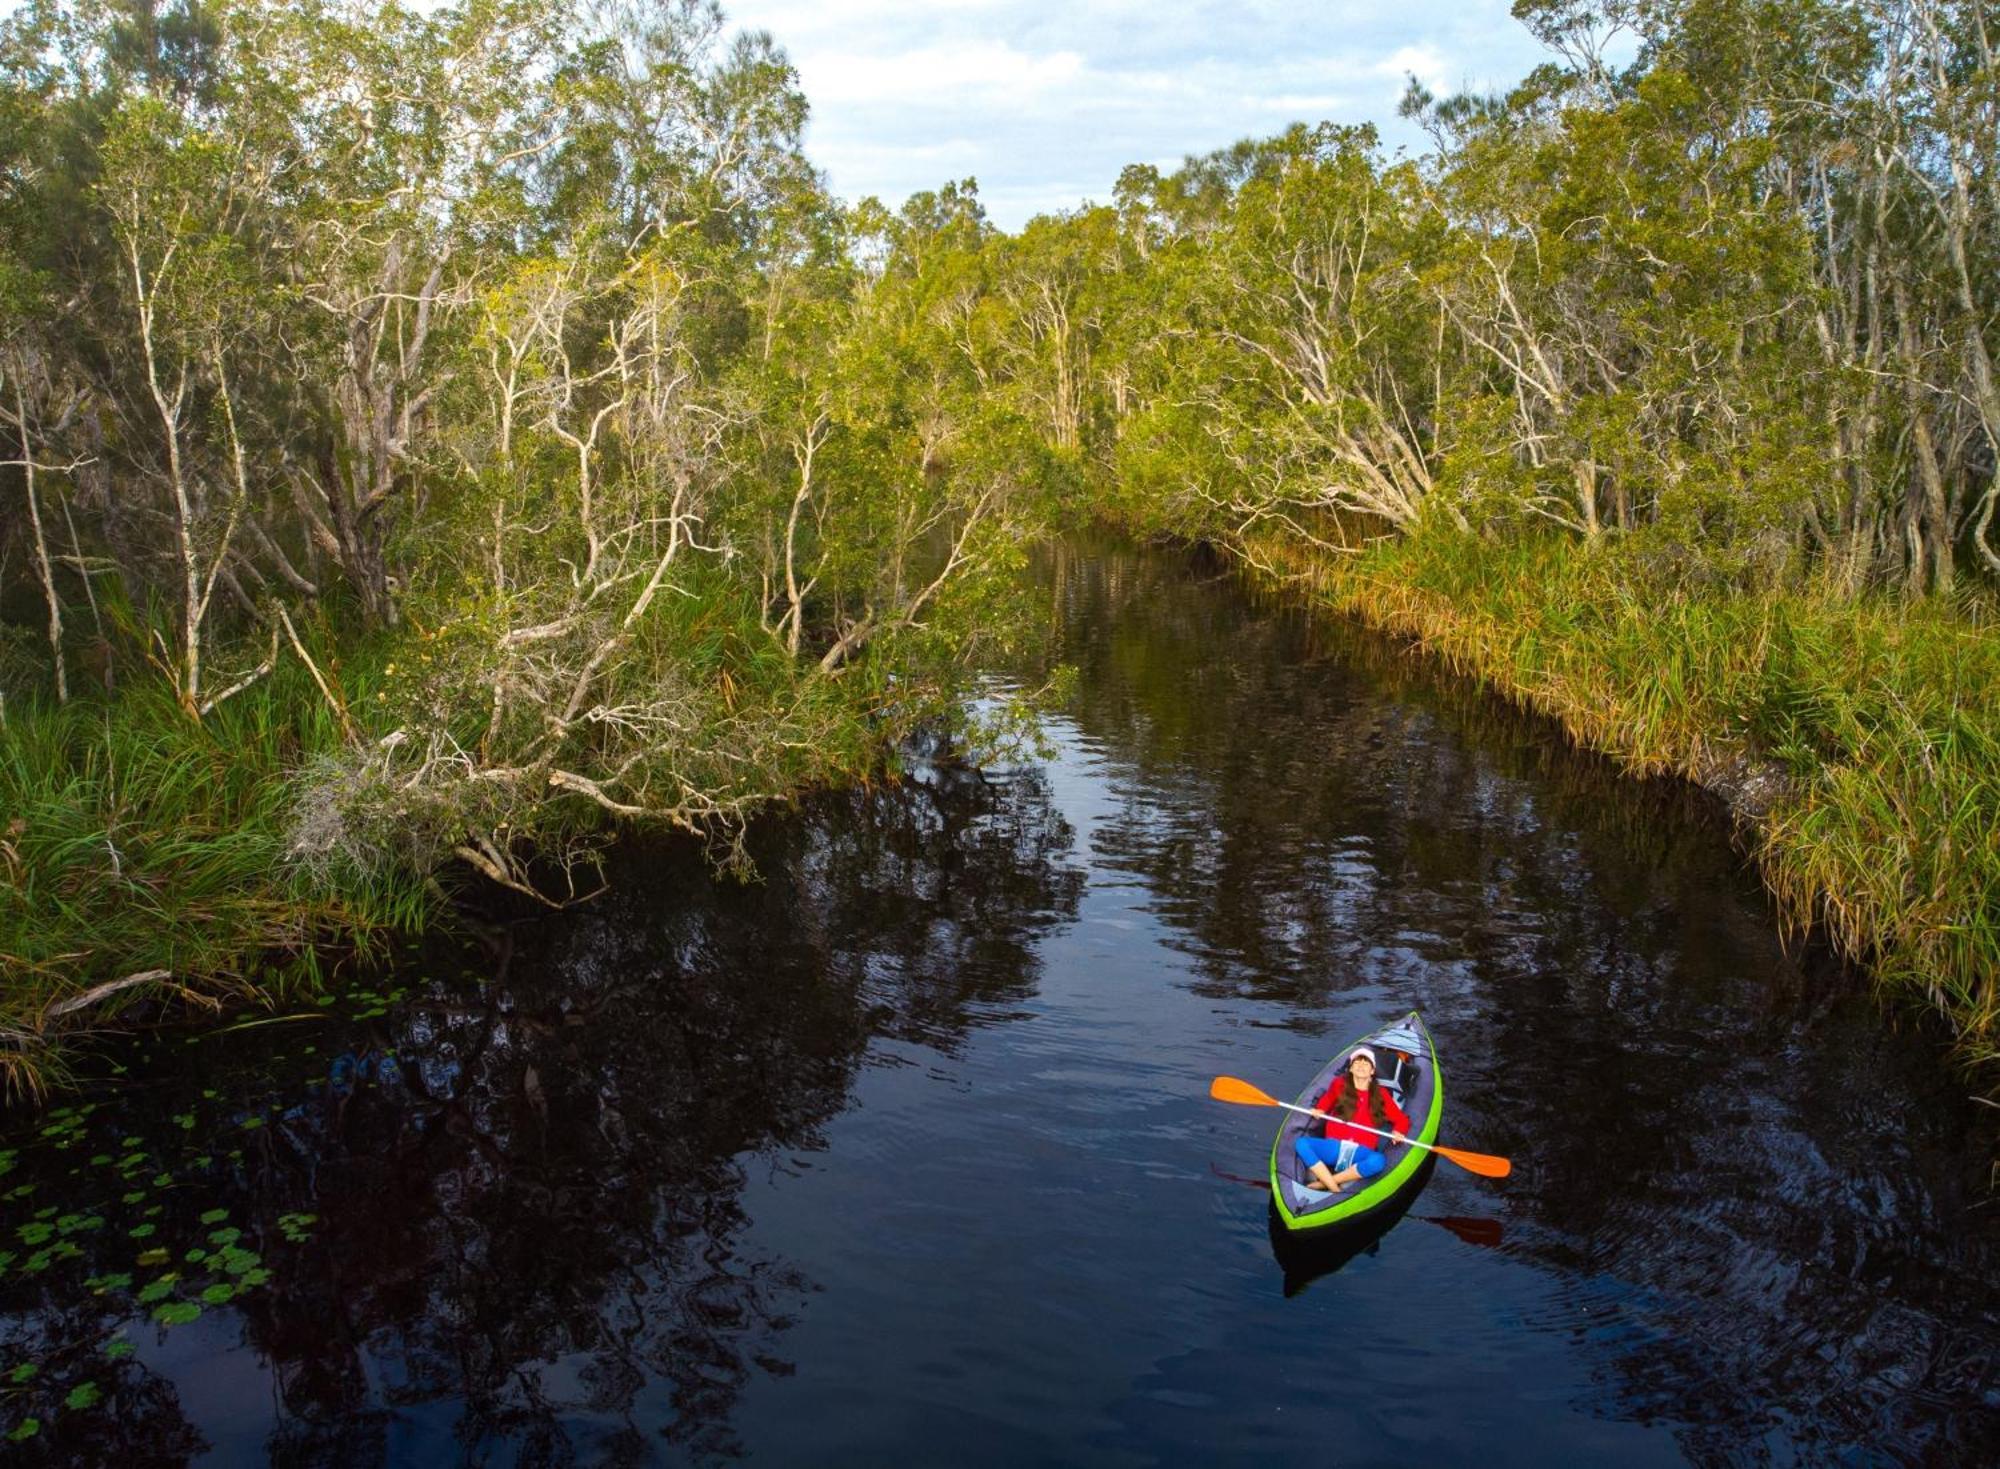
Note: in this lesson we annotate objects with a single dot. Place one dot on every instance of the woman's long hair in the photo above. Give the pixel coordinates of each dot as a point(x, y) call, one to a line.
point(1349, 1101)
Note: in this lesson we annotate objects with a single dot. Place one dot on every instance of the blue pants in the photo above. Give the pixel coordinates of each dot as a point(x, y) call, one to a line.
point(1340, 1154)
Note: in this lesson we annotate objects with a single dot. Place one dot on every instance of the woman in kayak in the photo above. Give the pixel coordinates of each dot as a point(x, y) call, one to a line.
point(1347, 1152)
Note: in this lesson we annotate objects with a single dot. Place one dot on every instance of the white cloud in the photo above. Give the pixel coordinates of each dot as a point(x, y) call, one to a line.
point(956, 74)
point(1046, 100)
point(1424, 62)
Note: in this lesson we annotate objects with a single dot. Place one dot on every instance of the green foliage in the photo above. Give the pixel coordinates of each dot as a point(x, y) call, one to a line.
point(144, 841)
point(1858, 733)
point(455, 353)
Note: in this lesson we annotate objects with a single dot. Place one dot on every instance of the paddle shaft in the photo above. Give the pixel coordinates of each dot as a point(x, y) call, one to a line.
point(1235, 1089)
point(1314, 1112)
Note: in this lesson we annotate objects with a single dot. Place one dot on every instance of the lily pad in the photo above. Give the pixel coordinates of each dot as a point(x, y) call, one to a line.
point(83, 1395)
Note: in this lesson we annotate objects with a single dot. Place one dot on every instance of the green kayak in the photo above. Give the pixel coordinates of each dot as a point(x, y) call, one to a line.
point(1407, 1065)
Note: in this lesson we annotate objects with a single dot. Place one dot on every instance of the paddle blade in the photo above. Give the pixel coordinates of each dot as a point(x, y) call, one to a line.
point(1262, 1183)
point(1231, 1089)
point(1486, 1233)
point(1484, 1164)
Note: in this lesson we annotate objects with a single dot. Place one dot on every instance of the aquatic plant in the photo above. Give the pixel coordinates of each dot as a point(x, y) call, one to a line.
point(130, 1246)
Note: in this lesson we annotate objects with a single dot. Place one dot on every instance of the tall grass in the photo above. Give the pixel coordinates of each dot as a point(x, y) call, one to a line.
point(146, 856)
point(1859, 738)
point(137, 842)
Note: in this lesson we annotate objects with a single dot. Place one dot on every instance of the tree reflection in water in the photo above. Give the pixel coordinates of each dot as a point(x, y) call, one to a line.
point(1756, 1203)
point(530, 1192)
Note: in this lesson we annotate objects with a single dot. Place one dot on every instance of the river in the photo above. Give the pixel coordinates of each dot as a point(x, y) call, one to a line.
point(903, 1150)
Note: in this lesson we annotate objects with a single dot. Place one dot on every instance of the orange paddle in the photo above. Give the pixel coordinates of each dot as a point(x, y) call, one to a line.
point(1230, 1089)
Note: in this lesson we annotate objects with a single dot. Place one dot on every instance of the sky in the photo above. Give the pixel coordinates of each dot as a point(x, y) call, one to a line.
point(1044, 101)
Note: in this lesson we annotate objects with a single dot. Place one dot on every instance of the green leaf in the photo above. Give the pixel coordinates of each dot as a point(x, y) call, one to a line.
point(118, 1348)
point(177, 1313)
point(26, 1430)
point(140, 1231)
point(215, 1216)
point(83, 1395)
point(23, 1373)
point(219, 1294)
point(160, 1289)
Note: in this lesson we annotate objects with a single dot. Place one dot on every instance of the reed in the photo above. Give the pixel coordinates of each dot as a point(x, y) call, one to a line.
point(146, 868)
point(1856, 738)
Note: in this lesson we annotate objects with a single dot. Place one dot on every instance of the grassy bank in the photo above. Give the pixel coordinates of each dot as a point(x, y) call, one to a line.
point(1857, 739)
point(153, 864)
point(145, 863)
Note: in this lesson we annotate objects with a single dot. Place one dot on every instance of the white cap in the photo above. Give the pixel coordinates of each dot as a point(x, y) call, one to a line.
point(1369, 1052)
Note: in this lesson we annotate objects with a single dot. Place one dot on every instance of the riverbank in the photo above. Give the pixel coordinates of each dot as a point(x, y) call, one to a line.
point(1856, 740)
point(147, 873)
point(154, 870)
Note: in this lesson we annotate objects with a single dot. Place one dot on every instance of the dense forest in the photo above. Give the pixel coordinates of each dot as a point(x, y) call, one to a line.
point(437, 436)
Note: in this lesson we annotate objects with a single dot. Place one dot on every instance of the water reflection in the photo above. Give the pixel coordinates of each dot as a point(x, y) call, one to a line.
point(1762, 1211)
point(1304, 1257)
point(531, 1238)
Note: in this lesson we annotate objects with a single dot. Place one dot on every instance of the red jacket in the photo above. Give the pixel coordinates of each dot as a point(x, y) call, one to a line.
point(1365, 1114)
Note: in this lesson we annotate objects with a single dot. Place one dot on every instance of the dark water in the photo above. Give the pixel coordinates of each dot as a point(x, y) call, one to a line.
point(904, 1154)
